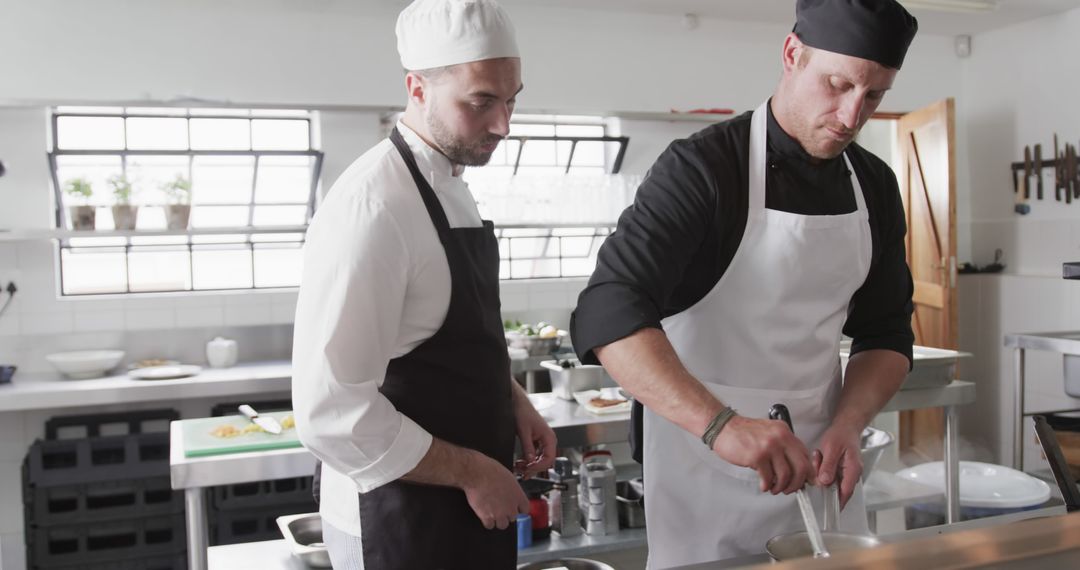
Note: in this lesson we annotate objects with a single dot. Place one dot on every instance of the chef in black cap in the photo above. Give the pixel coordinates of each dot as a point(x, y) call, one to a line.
point(751, 246)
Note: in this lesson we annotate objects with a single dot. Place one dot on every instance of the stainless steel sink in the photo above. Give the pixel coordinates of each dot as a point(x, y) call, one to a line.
point(303, 533)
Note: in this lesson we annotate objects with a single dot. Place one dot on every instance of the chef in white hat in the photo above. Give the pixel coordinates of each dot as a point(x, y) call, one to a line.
point(401, 381)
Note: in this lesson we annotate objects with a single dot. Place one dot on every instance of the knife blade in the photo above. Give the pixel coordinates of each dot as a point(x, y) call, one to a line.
point(266, 422)
point(1057, 170)
point(1027, 172)
point(1038, 166)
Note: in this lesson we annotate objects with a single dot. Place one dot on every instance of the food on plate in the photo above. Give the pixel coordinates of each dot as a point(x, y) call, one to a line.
point(148, 362)
point(225, 431)
point(605, 402)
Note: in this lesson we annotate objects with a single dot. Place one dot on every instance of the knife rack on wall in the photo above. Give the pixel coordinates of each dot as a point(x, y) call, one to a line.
point(1066, 175)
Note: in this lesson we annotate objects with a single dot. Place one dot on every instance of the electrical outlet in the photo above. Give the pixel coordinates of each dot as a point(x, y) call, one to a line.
point(8, 275)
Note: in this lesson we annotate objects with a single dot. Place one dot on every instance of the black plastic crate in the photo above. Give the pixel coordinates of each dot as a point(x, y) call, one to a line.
point(107, 500)
point(105, 542)
point(230, 408)
point(112, 424)
point(295, 491)
point(234, 527)
point(110, 458)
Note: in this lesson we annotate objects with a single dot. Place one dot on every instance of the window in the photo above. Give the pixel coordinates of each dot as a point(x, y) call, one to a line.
point(223, 197)
point(554, 192)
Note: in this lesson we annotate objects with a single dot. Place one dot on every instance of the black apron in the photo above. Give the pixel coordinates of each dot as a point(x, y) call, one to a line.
point(455, 385)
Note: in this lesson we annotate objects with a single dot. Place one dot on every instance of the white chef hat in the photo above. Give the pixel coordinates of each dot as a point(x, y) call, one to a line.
point(438, 33)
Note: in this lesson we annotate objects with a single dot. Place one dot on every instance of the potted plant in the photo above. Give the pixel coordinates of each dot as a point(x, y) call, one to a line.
point(82, 216)
point(124, 214)
point(178, 212)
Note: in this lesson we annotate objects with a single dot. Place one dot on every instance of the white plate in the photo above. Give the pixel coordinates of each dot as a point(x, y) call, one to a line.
point(165, 372)
point(584, 396)
point(984, 485)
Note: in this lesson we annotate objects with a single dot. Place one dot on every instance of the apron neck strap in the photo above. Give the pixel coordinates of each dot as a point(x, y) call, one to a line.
point(427, 193)
point(759, 162)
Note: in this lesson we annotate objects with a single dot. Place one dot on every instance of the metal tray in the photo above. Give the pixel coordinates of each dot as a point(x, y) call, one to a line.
point(932, 367)
point(303, 533)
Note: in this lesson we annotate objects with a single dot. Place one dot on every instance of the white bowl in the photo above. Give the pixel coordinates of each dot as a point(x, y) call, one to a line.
point(85, 364)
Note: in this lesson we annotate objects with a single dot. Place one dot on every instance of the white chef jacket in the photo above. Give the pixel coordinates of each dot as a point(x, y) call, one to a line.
point(375, 285)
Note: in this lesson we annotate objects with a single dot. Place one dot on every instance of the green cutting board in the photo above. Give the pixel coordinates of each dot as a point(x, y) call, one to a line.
point(199, 440)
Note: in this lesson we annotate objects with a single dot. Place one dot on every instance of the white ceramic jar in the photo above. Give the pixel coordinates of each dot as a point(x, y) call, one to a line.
point(221, 352)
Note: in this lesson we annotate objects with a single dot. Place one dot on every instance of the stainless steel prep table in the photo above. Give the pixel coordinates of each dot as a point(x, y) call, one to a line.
point(574, 427)
point(1060, 342)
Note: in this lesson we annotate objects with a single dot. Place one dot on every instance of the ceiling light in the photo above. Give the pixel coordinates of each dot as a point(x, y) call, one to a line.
point(952, 5)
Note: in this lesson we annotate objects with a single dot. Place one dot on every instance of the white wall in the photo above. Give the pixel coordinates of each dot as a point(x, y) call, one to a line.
point(1019, 87)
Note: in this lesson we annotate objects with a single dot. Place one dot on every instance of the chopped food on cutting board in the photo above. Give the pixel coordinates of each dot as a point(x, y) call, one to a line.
point(229, 430)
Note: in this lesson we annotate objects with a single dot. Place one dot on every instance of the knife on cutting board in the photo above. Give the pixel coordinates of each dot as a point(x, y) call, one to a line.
point(266, 422)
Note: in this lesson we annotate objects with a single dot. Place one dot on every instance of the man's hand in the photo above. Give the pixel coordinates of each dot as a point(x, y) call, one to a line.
point(536, 437)
point(839, 458)
point(494, 493)
point(768, 447)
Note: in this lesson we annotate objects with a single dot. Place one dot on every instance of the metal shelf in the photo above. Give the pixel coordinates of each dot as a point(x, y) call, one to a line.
point(582, 545)
point(39, 235)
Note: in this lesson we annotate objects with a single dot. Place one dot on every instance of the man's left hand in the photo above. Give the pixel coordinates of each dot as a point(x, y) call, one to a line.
point(838, 457)
point(536, 436)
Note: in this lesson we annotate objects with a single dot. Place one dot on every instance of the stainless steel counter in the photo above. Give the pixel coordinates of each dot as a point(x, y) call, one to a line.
point(573, 425)
point(1067, 342)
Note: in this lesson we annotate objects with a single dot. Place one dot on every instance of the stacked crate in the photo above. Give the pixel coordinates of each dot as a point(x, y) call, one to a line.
point(247, 512)
point(97, 495)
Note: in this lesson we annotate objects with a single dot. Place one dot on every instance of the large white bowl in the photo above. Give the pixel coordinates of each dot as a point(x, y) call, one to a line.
point(85, 364)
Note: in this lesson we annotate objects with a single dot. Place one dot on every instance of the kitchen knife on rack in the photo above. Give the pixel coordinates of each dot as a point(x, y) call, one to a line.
point(266, 422)
point(1057, 170)
point(1027, 173)
point(1038, 166)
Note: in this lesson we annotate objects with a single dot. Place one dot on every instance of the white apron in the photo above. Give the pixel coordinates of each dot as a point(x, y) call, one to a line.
point(767, 333)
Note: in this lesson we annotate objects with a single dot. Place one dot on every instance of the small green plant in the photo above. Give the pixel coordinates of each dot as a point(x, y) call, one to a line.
point(178, 190)
point(79, 188)
point(122, 189)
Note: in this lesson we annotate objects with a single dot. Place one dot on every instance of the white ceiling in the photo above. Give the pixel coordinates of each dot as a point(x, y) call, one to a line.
point(783, 11)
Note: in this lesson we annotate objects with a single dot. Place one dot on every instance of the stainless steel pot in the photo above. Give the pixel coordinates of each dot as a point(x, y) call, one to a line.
point(797, 544)
point(631, 504)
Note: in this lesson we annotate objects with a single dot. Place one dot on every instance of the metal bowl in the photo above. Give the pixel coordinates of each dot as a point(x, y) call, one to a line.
point(303, 533)
point(535, 345)
point(872, 445)
point(797, 544)
point(568, 563)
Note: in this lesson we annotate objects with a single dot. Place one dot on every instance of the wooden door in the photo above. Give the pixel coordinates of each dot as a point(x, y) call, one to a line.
point(927, 178)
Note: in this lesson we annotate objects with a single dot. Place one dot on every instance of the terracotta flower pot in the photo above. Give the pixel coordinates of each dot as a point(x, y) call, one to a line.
point(178, 216)
point(82, 217)
point(124, 216)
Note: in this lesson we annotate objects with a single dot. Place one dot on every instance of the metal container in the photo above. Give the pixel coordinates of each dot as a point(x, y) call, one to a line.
point(535, 345)
point(303, 533)
point(565, 380)
point(797, 544)
point(631, 501)
point(563, 504)
point(1072, 375)
point(872, 444)
point(931, 367)
point(568, 563)
point(599, 507)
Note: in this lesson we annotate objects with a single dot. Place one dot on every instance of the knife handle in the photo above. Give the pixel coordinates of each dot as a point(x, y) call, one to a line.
point(248, 411)
point(780, 412)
